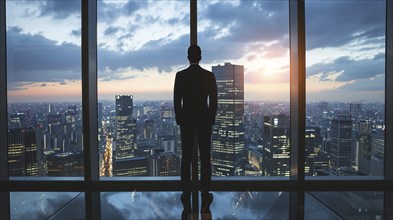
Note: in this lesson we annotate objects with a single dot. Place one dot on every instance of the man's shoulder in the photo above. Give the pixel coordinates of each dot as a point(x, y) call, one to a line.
point(206, 71)
point(192, 69)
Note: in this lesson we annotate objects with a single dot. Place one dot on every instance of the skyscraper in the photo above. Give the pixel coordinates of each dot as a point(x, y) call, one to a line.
point(228, 131)
point(23, 145)
point(125, 127)
point(164, 164)
point(341, 141)
point(276, 145)
point(313, 145)
point(354, 109)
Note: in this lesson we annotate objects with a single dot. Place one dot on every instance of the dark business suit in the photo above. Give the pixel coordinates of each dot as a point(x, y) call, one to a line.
point(195, 97)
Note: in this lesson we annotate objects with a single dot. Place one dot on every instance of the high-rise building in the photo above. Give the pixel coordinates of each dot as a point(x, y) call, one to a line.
point(341, 141)
point(313, 146)
point(124, 105)
point(228, 131)
point(354, 109)
point(377, 154)
point(99, 114)
point(23, 145)
point(125, 128)
point(149, 129)
point(136, 166)
point(276, 146)
point(18, 120)
point(364, 146)
point(165, 164)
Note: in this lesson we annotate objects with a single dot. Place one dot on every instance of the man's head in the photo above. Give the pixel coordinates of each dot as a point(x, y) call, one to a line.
point(194, 54)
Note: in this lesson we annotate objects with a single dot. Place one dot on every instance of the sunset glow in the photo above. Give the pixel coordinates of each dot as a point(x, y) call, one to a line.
point(141, 47)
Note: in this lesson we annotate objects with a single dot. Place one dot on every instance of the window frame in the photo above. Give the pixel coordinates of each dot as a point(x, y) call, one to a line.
point(297, 184)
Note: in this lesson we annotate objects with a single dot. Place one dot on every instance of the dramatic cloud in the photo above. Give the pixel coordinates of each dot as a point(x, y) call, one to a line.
point(34, 58)
point(251, 20)
point(351, 69)
point(372, 84)
point(60, 9)
point(228, 28)
point(137, 39)
point(155, 55)
point(76, 33)
point(109, 12)
point(334, 24)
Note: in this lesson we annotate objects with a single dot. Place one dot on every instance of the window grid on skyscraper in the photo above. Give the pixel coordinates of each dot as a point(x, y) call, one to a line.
point(91, 184)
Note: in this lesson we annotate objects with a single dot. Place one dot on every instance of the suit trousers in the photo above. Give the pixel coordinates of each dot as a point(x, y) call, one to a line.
point(203, 134)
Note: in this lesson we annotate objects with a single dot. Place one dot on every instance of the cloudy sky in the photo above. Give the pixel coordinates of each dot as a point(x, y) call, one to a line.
point(142, 44)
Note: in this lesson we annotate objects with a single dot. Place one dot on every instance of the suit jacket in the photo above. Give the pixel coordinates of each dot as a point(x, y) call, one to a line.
point(195, 96)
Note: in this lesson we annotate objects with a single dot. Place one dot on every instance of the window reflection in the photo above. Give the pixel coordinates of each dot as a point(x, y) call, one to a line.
point(250, 205)
point(47, 205)
point(344, 205)
point(141, 205)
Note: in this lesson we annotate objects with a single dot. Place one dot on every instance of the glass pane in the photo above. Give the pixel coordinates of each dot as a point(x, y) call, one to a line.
point(345, 56)
point(47, 205)
point(344, 205)
point(246, 45)
point(250, 205)
point(44, 88)
point(141, 205)
point(141, 45)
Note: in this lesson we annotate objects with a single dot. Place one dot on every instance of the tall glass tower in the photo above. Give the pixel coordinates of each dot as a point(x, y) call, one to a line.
point(125, 127)
point(276, 145)
point(228, 131)
point(341, 141)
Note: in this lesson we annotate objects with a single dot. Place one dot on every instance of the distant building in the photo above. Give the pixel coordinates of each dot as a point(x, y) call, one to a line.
point(167, 111)
point(65, 164)
point(364, 147)
point(136, 166)
point(18, 120)
point(149, 129)
point(276, 146)
point(341, 141)
point(24, 152)
point(125, 127)
point(167, 143)
point(165, 164)
point(377, 154)
point(228, 131)
point(313, 146)
point(354, 109)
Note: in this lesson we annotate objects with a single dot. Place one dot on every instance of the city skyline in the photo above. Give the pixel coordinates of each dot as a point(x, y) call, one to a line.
point(140, 50)
point(153, 149)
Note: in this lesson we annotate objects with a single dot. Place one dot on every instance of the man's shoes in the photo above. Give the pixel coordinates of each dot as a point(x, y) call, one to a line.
point(186, 214)
point(206, 202)
point(187, 211)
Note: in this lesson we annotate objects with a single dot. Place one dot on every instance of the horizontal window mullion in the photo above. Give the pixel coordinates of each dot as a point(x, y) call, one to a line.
point(217, 185)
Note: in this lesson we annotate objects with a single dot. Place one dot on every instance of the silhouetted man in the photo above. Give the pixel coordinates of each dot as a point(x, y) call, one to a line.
point(195, 97)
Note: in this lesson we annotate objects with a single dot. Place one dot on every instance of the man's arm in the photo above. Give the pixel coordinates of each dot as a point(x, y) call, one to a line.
point(177, 98)
point(213, 99)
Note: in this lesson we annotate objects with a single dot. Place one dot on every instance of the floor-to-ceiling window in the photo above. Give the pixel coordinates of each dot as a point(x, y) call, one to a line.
point(141, 45)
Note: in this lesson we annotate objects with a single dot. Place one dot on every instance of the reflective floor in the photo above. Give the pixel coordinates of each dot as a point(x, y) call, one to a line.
point(167, 205)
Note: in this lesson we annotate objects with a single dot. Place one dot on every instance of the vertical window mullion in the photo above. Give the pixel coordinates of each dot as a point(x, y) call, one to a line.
point(4, 193)
point(193, 22)
point(89, 107)
point(297, 104)
point(388, 200)
point(194, 41)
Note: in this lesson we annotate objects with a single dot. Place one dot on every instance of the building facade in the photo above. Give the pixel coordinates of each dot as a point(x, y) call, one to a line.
point(228, 131)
